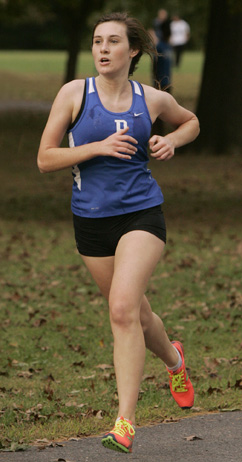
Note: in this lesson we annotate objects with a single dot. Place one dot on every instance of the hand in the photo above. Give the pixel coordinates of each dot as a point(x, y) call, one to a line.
point(118, 145)
point(161, 147)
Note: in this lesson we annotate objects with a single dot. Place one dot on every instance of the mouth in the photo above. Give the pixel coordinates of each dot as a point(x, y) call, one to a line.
point(104, 60)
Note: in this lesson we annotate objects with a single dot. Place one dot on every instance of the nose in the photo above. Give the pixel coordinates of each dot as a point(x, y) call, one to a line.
point(104, 47)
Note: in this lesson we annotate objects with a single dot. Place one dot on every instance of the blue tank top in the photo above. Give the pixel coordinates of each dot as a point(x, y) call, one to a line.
point(106, 186)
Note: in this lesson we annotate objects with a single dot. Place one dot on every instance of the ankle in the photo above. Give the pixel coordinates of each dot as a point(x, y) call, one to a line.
point(130, 419)
point(173, 367)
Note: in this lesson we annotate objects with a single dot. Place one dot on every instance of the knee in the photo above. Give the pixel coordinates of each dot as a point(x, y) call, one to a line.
point(122, 314)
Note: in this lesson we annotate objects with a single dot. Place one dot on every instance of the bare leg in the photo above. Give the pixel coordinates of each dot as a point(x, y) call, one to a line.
point(123, 279)
point(156, 338)
point(132, 270)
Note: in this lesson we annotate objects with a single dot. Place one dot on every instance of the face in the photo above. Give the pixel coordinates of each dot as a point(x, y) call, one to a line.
point(111, 51)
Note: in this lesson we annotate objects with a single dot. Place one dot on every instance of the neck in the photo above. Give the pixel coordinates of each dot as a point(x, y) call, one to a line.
point(114, 86)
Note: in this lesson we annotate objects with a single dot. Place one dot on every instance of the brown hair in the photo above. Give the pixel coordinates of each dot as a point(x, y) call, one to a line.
point(138, 37)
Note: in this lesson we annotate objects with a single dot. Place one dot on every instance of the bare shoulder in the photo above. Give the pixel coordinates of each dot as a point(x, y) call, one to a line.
point(163, 105)
point(68, 100)
point(152, 95)
point(71, 89)
point(157, 101)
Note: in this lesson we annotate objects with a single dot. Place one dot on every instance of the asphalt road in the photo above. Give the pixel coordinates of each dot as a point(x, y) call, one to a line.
point(207, 438)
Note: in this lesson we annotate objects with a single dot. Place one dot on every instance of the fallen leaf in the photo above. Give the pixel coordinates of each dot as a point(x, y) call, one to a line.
point(49, 391)
point(206, 312)
point(71, 403)
point(99, 415)
point(41, 441)
point(62, 460)
point(211, 390)
point(55, 283)
point(25, 374)
point(76, 348)
point(79, 364)
point(192, 438)
point(104, 366)
point(238, 384)
point(39, 322)
point(148, 377)
point(88, 377)
point(108, 376)
point(234, 409)
point(211, 364)
point(14, 447)
point(170, 420)
point(179, 327)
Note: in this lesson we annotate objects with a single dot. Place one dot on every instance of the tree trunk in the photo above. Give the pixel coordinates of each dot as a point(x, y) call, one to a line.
point(219, 104)
point(72, 50)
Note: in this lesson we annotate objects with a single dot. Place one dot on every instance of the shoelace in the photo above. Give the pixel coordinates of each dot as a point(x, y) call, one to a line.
point(178, 381)
point(122, 427)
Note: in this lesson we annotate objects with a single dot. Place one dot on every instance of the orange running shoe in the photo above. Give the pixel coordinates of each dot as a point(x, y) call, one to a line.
point(121, 436)
point(180, 384)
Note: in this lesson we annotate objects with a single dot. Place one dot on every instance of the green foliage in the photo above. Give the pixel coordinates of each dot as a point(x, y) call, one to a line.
point(43, 15)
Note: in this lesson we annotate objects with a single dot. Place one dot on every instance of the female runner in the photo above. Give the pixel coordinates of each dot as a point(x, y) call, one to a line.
point(116, 204)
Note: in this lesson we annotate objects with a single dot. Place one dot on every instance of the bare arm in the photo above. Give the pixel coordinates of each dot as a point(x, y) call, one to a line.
point(185, 123)
point(53, 157)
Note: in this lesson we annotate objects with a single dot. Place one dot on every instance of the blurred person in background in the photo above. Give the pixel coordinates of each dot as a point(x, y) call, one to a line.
point(162, 16)
point(180, 34)
point(163, 60)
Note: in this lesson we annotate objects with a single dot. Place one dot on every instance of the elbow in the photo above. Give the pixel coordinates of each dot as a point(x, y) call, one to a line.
point(197, 129)
point(43, 168)
point(42, 163)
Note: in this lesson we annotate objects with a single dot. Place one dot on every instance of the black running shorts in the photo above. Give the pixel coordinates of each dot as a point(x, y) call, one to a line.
point(99, 237)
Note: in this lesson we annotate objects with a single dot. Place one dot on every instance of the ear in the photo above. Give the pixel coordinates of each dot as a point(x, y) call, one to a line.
point(133, 53)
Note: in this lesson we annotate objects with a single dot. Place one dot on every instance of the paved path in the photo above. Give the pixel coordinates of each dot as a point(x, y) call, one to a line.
point(30, 106)
point(208, 438)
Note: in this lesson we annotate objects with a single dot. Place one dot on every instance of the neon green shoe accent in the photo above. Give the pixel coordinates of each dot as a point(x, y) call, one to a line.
point(121, 436)
point(178, 382)
point(110, 443)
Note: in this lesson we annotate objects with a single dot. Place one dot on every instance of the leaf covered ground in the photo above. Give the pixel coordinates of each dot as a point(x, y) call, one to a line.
point(56, 374)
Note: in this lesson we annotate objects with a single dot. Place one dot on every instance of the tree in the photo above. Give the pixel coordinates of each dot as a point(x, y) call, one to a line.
point(73, 15)
point(219, 103)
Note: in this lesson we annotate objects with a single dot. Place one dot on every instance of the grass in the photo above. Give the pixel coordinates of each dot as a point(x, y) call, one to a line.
point(28, 76)
point(56, 375)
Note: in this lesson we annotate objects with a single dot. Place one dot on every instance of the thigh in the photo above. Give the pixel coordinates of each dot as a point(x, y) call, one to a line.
point(101, 269)
point(137, 254)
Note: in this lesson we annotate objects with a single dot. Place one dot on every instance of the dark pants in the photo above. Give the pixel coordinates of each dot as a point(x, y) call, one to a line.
point(178, 50)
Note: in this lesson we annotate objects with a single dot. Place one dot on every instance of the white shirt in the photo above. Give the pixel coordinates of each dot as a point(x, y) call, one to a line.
point(180, 31)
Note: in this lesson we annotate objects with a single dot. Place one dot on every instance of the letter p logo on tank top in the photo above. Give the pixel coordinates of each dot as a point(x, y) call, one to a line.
point(120, 124)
